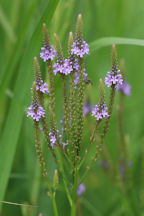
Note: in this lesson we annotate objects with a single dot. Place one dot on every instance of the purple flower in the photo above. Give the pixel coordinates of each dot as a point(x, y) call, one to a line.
point(123, 168)
point(125, 88)
point(52, 139)
point(81, 188)
point(64, 144)
point(80, 48)
point(42, 87)
point(100, 111)
point(104, 164)
point(36, 112)
point(87, 108)
point(47, 53)
point(76, 81)
point(113, 78)
point(63, 67)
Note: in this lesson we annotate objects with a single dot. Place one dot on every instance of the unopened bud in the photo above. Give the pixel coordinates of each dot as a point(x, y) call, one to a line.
point(55, 180)
point(79, 27)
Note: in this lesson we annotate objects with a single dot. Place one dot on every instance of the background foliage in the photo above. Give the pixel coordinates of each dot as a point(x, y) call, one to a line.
point(20, 41)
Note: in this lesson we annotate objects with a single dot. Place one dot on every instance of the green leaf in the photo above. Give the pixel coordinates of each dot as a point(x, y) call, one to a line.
point(20, 101)
point(6, 26)
point(108, 41)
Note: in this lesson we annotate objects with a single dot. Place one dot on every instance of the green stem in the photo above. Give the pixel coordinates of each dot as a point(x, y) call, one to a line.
point(43, 165)
point(72, 111)
point(65, 104)
point(74, 193)
point(64, 178)
point(80, 118)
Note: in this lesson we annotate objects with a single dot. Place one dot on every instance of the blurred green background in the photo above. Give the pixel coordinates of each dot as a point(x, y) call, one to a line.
point(20, 41)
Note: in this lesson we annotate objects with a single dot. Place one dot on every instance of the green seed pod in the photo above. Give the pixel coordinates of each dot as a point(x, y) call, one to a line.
point(37, 72)
point(70, 42)
point(114, 59)
point(46, 40)
point(101, 91)
point(34, 93)
point(58, 47)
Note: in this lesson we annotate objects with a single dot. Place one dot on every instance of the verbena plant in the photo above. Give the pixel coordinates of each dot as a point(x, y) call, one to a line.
point(66, 144)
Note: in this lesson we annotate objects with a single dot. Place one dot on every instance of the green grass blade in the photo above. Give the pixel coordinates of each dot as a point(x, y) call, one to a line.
point(9, 69)
point(108, 41)
point(20, 101)
point(6, 26)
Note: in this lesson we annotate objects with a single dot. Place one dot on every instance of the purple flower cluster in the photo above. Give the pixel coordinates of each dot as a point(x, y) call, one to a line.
point(76, 81)
point(47, 53)
point(87, 108)
point(64, 144)
point(81, 188)
point(36, 112)
point(123, 169)
point(104, 164)
point(125, 88)
point(52, 139)
point(100, 111)
point(42, 87)
point(80, 48)
point(64, 67)
point(113, 78)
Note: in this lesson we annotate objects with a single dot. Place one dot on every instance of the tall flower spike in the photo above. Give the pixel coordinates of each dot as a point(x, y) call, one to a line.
point(80, 90)
point(114, 78)
point(100, 111)
point(79, 47)
point(125, 87)
point(61, 66)
point(35, 111)
point(47, 51)
point(73, 112)
point(41, 87)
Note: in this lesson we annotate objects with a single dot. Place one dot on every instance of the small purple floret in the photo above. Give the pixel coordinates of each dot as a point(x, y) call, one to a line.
point(42, 87)
point(81, 188)
point(52, 139)
point(64, 144)
point(76, 81)
point(80, 48)
point(113, 78)
point(87, 108)
point(100, 111)
point(125, 88)
point(36, 112)
point(62, 67)
point(47, 53)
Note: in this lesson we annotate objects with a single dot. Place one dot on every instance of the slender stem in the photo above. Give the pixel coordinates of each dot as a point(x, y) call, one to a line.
point(110, 108)
point(80, 107)
point(64, 178)
point(43, 166)
point(55, 207)
point(121, 132)
point(73, 113)
point(65, 104)
point(74, 193)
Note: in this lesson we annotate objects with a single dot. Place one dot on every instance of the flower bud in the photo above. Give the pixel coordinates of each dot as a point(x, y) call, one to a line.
point(114, 59)
point(46, 40)
point(79, 27)
point(70, 42)
point(101, 91)
point(55, 180)
point(58, 47)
